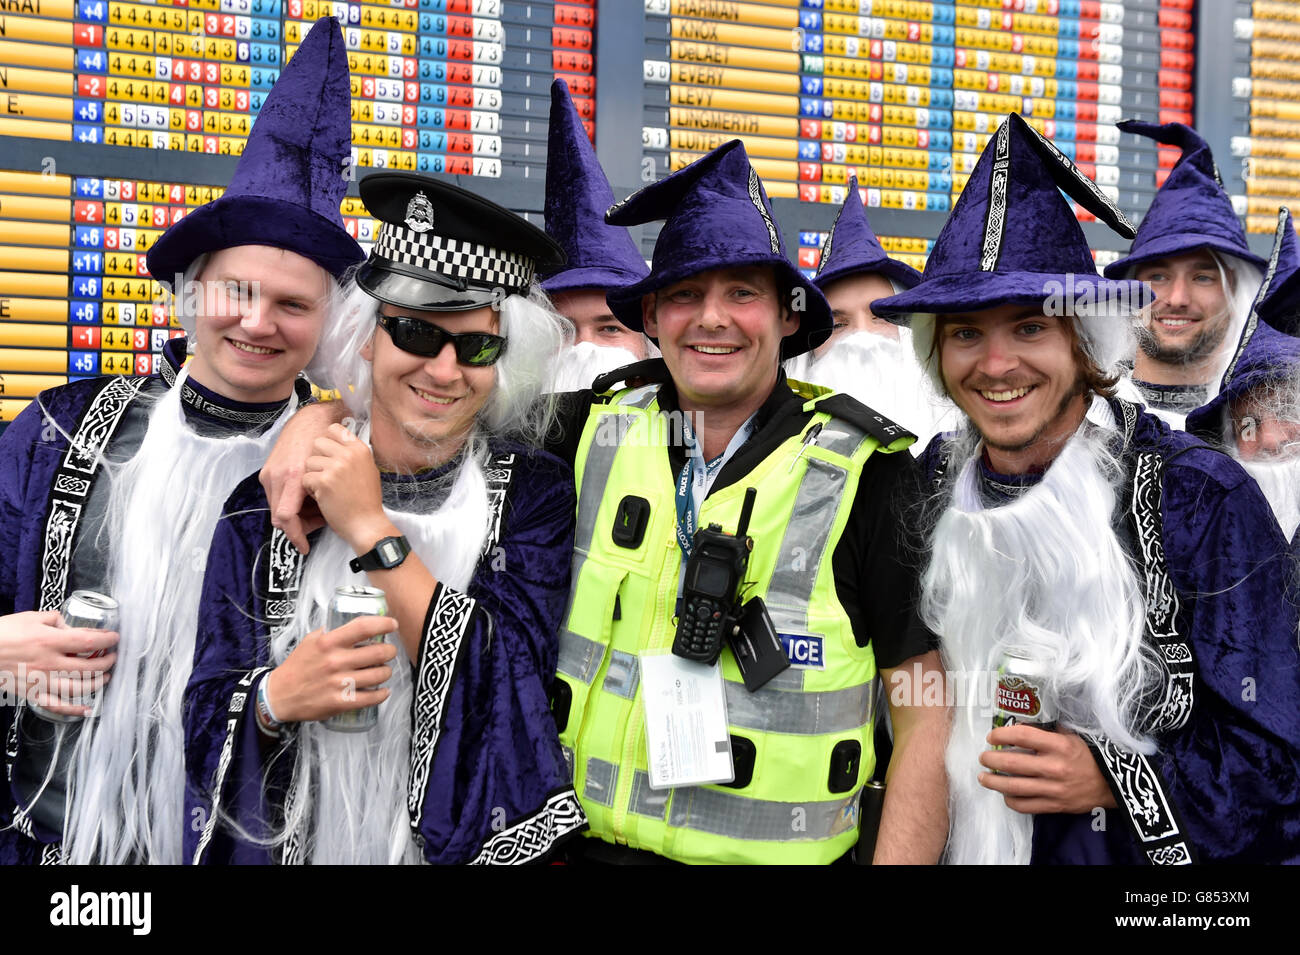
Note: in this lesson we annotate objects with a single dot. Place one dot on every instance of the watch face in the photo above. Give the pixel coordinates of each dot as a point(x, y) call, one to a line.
point(389, 552)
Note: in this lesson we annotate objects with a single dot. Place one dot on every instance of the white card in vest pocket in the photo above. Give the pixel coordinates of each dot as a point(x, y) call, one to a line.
point(686, 737)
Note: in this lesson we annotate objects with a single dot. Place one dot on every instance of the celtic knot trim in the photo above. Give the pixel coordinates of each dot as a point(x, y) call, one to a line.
point(536, 835)
point(444, 631)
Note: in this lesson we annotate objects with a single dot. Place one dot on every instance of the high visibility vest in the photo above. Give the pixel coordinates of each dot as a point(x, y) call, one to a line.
point(807, 734)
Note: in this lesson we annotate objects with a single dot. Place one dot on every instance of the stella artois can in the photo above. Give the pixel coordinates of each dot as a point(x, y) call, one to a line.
point(90, 611)
point(347, 604)
point(1022, 696)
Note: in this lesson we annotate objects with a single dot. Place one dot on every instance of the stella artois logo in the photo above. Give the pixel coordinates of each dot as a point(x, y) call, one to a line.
point(419, 213)
point(1018, 696)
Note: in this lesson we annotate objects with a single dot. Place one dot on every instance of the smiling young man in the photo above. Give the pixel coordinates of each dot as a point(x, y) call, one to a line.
point(1138, 572)
point(113, 484)
point(1191, 250)
point(598, 256)
point(439, 496)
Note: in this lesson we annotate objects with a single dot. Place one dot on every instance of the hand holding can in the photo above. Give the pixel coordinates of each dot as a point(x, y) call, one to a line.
point(74, 687)
point(329, 671)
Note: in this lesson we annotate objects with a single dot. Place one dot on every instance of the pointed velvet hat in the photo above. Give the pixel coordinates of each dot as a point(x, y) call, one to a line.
point(1280, 306)
point(600, 256)
point(717, 217)
point(291, 177)
point(1012, 238)
point(851, 248)
point(1190, 210)
point(1269, 349)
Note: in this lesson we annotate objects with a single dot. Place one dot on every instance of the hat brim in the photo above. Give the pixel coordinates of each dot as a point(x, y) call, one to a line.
point(895, 271)
point(1182, 243)
point(252, 220)
point(815, 323)
point(973, 291)
point(590, 277)
point(405, 288)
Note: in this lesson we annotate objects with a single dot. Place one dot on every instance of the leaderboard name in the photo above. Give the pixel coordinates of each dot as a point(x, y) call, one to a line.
point(902, 94)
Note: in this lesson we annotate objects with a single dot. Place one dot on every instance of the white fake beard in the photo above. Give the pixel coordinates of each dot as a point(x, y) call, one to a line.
point(350, 789)
point(1280, 482)
point(881, 373)
point(577, 366)
point(127, 786)
point(1047, 577)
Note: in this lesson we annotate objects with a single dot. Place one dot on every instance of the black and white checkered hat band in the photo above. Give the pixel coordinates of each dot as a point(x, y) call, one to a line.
point(482, 265)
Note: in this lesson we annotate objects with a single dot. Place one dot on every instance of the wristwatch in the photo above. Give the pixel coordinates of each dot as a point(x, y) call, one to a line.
point(385, 555)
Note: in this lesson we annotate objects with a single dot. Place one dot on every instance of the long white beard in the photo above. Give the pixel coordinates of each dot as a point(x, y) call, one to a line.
point(577, 366)
point(1280, 482)
point(1047, 577)
point(350, 789)
point(127, 787)
point(884, 375)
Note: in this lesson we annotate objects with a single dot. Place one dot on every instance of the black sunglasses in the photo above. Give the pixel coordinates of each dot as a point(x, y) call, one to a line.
point(418, 337)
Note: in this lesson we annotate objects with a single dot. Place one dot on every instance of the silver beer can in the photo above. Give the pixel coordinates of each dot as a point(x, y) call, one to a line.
point(87, 610)
point(347, 604)
point(1022, 696)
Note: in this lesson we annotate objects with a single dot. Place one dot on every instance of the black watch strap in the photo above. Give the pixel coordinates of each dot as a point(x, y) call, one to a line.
point(385, 555)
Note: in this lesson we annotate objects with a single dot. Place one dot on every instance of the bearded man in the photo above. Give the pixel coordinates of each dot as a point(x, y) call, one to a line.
point(1191, 250)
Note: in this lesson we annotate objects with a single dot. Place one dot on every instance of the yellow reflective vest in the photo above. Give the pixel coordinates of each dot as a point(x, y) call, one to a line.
point(806, 736)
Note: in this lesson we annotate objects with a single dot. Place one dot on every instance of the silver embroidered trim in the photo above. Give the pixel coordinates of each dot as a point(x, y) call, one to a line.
point(448, 622)
point(533, 837)
point(756, 197)
point(995, 223)
point(235, 710)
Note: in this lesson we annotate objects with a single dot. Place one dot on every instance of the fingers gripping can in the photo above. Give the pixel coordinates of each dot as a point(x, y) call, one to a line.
point(1022, 695)
point(90, 611)
point(347, 604)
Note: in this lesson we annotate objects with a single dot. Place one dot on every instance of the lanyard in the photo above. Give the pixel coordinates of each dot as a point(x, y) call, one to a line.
point(695, 479)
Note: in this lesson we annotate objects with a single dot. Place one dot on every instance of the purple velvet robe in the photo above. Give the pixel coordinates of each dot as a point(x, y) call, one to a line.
point(51, 506)
point(1224, 785)
point(483, 738)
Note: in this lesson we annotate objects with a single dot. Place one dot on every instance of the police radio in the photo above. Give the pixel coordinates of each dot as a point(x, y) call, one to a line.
point(710, 604)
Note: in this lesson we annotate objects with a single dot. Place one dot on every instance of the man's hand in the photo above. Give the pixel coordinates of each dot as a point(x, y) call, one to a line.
point(343, 479)
point(282, 474)
point(38, 660)
point(1060, 775)
point(327, 673)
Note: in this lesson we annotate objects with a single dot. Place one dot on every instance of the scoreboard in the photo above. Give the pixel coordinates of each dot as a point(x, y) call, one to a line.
point(451, 87)
point(118, 116)
point(1266, 111)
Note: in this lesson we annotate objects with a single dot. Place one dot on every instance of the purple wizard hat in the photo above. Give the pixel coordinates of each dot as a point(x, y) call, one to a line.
point(290, 179)
point(851, 248)
point(718, 217)
point(1191, 209)
point(1012, 238)
point(600, 256)
point(1269, 349)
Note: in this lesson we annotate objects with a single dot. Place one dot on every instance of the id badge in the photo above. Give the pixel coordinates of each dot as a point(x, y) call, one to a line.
point(686, 737)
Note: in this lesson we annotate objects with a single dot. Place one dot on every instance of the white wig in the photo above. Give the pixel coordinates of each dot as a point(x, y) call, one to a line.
point(534, 335)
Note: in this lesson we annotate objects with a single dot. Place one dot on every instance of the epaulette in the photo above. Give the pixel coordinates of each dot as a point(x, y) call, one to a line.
point(649, 371)
point(856, 413)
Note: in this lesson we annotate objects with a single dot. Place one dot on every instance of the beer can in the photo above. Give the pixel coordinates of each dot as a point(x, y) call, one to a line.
point(87, 610)
point(1022, 696)
point(348, 603)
